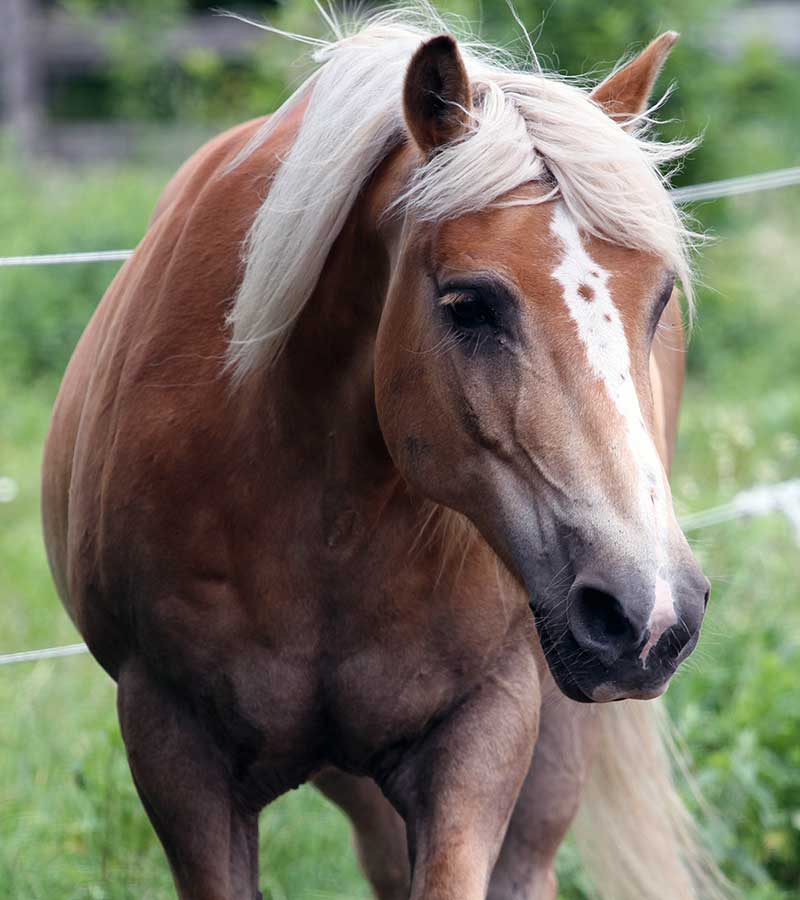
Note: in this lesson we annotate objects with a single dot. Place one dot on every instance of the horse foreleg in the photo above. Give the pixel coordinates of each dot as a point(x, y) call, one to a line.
point(547, 803)
point(182, 779)
point(379, 832)
point(456, 788)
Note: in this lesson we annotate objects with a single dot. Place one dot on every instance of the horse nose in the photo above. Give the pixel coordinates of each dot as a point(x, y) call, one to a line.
point(613, 622)
point(604, 623)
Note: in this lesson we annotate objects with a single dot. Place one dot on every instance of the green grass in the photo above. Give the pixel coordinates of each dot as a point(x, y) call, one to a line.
point(70, 823)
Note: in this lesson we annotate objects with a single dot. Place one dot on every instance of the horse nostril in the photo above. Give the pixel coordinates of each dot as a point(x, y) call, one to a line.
point(705, 599)
point(602, 614)
point(599, 623)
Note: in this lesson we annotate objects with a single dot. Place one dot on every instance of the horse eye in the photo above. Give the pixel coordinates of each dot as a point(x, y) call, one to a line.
point(664, 296)
point(468, 311)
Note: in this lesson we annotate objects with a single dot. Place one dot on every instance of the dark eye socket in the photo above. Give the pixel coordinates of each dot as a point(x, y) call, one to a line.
point(663, 298)
point(468, 311)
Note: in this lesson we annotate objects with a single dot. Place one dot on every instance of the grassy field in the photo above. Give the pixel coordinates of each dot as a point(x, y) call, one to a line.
point(70, 824)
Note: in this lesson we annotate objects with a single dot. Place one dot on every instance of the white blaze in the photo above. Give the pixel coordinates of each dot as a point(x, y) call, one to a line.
point(600, 328)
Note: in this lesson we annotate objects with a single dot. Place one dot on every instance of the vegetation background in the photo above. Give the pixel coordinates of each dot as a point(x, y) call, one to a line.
point(70, 824)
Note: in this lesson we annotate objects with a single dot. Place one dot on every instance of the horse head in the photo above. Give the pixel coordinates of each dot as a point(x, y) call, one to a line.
point(513, 371)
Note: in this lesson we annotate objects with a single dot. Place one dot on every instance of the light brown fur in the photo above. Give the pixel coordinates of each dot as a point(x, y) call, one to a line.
point(245, 562)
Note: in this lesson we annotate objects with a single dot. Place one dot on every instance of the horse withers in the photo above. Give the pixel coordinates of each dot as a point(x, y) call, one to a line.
point(389, 371)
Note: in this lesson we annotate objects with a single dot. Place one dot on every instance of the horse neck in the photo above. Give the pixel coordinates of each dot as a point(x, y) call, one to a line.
point(319, 399)
point(319, 395)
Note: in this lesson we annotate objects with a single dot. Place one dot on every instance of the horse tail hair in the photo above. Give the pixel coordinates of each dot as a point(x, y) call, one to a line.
point(636, 838)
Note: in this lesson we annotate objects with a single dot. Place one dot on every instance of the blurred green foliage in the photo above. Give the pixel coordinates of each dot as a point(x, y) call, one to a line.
point(44, 310)
point(71, 825)
point(739, 101)
point(147, 79)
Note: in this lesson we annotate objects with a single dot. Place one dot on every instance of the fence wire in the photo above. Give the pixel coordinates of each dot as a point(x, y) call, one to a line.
point(731, 187)
point(47, 653)
point(59, 259)
point(711, 190)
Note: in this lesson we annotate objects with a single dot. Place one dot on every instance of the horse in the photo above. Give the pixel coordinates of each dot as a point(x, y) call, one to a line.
point(358, 476)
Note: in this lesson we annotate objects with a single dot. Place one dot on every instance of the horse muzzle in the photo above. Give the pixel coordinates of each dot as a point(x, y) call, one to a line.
point(613, 642)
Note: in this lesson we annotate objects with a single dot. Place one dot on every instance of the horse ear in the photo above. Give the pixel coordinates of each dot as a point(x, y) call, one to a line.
point(436, 94)
point(626, 93)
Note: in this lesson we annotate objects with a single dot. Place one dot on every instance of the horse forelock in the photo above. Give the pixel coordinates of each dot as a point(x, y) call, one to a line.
point(525, 127)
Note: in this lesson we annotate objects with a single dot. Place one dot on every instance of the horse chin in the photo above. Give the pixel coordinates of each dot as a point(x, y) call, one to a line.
point(569, 687)
point(609, 692)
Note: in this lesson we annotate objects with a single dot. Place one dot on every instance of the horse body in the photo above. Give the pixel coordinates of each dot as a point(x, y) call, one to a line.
point(292, 496)
point(266, 574)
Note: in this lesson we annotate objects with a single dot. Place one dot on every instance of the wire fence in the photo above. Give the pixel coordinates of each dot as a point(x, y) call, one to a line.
point(696, 193)
point(732, 187)
point(60, 259)
point(7, 659)
point(759, 500)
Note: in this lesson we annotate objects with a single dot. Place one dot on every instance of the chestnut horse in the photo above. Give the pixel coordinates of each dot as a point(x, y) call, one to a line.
point(357, 475)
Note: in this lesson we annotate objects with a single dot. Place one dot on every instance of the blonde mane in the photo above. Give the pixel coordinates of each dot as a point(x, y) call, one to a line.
point(526, 126)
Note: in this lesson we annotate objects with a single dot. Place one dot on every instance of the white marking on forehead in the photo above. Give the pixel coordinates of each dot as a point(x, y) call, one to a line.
point(601, 330)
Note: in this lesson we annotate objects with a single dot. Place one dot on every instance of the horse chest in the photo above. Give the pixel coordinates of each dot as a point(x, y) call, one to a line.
point(376, 699)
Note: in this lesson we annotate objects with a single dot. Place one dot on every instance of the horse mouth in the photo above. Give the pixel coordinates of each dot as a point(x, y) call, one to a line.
point(605, 686)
